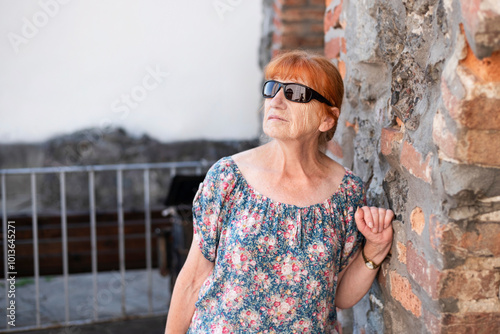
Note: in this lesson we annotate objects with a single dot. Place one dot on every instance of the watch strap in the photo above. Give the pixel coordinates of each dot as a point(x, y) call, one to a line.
point(369, 263)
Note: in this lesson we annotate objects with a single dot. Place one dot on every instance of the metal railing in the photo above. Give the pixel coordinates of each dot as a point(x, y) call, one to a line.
point(173, 167)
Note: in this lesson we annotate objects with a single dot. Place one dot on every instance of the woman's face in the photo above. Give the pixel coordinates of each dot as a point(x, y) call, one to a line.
point(287, 120)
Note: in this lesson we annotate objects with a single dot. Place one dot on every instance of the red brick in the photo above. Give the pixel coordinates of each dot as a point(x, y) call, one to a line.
point(316, 28)
point(303, 29)
point(436, 231)
point(390, 139)
point(292, 41)
point(277, 38)
point(295, 2)
point(277, 23)
point(470, 285)
point(486, 69)
point(483, 240)
point(417, 219)
point(317, 2)
point(342, 70)
point(333, 47)
point(302, 14)
point(424, 273)
point(412, 160)
point(471, 323)
point(481, 147)
point(477, 112)
point(480, 241)
point(443, 137)
point(277, 9)
point(401, 291)
point(332, 17)
point(401, 252)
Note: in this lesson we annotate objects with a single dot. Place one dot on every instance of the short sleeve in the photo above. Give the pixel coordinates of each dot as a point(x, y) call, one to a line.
point(209, 207)
point(353, 238)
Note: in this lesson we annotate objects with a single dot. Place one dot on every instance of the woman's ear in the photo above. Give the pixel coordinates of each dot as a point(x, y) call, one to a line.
point(330, 119)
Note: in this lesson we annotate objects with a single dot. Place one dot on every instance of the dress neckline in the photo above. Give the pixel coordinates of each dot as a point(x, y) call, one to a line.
point(325, 202)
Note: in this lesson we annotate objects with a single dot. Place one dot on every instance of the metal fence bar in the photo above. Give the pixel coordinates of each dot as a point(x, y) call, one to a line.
point(64, 236)
point(121, 234)
point(149, 262)
point(93, 242)
point(4, 228)
point(119, 168)
point(35, 247)
point(100, 168)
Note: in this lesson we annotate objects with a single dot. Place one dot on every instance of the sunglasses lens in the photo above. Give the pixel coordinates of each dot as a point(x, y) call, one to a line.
point(270, 89)
point(297, 93)
point(293, 92)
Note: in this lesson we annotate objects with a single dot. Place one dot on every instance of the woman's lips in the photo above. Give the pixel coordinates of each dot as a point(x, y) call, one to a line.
point(274, 117)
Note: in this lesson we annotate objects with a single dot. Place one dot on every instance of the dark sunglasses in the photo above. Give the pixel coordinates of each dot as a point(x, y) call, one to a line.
point(293, 92)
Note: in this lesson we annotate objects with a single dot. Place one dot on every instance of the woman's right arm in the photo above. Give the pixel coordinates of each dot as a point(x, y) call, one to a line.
point(194, 272)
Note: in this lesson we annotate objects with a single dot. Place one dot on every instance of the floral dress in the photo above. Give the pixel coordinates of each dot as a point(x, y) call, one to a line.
point(276, 264)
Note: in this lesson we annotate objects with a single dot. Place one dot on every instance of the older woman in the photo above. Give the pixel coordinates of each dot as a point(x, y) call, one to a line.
point(282, 236)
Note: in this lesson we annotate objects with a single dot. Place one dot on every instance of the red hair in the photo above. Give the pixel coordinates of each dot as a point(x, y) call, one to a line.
point(318, 72)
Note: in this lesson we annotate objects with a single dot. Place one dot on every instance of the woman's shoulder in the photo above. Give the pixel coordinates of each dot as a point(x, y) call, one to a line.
point(223, 166)
point(353, 184)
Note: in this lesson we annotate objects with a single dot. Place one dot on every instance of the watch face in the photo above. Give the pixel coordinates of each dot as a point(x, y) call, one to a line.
point(370, 265)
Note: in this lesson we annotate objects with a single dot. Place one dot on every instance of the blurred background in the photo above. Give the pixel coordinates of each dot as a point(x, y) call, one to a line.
point(172, 70)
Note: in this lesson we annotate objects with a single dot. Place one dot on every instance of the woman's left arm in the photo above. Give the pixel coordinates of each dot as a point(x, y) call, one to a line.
point(356, 279)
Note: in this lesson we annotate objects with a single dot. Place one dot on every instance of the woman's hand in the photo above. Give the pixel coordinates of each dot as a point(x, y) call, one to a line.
point(376, 225)
point(356, 279)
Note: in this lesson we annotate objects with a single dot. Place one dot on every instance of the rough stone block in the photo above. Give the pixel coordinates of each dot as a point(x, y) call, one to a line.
point(480, 109)
point(390, 141)
point(423, 272)
point(482, 25)
point(401, 291)
point(466, 145)
point(432, 322)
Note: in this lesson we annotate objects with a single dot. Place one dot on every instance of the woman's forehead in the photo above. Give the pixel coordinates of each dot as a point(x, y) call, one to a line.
point(290, 79)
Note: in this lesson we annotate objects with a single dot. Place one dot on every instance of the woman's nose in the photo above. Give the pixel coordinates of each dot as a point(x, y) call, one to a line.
point(278, 100)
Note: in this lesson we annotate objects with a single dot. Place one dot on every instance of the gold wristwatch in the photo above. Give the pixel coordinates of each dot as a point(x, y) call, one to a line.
point(369, 263)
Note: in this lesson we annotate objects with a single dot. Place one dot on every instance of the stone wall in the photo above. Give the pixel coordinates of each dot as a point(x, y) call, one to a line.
point(101, 146)
point(421, 125)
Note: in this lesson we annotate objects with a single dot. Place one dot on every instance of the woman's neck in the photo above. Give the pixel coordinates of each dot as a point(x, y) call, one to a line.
point(293, 159)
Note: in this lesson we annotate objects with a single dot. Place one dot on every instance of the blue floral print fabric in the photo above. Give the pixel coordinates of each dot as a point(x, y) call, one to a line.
point(276, 264)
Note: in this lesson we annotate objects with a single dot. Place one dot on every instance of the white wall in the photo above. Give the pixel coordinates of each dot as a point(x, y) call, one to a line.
point(71, 64)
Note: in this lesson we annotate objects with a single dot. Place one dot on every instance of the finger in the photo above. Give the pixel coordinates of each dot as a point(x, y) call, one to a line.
point(389, 216)
point(381, 219)
point(374, 212)
point(368, 217)
point(359, 217)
